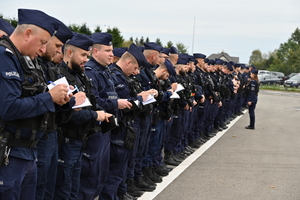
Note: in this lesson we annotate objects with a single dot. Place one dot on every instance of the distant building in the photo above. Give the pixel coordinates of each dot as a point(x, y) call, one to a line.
point(224, 56)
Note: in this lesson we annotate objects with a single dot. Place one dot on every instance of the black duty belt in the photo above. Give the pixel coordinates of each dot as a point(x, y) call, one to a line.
point(22, 143)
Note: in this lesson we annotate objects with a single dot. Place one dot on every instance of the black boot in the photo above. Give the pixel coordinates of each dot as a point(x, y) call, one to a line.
point(133, 190)
point(147, 171)
point(161, 171)
point(154, 176)
point(195, 145)
point(140, 183)
point(127, 197)
point(168, 159)
point(177, 158)
point(149, 181)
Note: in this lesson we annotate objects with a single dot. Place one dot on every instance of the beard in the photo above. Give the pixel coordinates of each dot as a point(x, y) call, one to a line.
point(182, 72)
point(47, 57)
point(76, 67)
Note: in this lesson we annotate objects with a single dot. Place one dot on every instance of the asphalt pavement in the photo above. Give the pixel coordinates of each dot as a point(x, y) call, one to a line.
point(240, 164)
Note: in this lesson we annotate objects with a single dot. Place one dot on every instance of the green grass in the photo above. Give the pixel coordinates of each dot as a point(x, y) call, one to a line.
point(278, 88)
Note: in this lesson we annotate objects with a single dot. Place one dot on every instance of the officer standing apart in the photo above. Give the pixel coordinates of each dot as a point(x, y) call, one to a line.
point(97, 149)
point(21, 122)
point(252, 97)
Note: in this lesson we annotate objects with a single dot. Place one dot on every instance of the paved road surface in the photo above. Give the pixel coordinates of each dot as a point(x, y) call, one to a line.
point(263, 164)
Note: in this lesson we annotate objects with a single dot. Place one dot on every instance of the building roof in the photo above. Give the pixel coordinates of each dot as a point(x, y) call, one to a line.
point(224, 56)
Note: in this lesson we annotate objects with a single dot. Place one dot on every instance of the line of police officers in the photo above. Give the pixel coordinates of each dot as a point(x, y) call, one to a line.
point(50, 150)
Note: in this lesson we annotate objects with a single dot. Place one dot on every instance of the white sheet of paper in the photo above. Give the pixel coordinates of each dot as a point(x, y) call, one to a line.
point(84, 104)
point(179, 88)
point(150, 99)
point(137, 102)
point(175, 96)
point(62, 80)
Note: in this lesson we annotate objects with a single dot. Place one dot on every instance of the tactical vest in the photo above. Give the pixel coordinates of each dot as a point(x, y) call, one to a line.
point(73, 130)
point(32, 85)
point(108, 80)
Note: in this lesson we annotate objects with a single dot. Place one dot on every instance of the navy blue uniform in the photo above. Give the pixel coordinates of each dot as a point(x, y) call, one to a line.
point(19, 176)
point(119, 153)
point(72, 135)
point(96, 153)
point(253, 89)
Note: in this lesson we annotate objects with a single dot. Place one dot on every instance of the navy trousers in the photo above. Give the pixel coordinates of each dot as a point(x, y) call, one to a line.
point(46, 166)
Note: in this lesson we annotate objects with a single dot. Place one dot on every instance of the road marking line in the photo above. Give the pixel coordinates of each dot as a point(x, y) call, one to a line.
point(186, 163)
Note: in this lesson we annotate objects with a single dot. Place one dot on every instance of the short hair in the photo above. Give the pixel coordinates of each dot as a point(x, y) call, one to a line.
point(162, 66)
point(129, 56)
point(97, 46)
point(21, 28)
point(149, 52)
point(69, 46)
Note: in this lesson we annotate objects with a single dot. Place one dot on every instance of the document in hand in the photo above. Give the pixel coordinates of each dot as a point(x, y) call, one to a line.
point(150, 99)
point(62, 80)
point(108, 126)
point(86, 103)
point(174, 96)
point(179, 88)
point(135, 105)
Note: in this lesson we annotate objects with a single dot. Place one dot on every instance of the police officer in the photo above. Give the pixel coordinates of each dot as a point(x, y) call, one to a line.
point(163, 55)
point(97, 149)
point(82, 122)
point(6, 28)
point(151, 53)
point(21, 121)
point(47, 146)
point(173, 56)
point(252, 97)
point(173, 147)
point(118, 52)
point(200, 81)
point(152, 158)
point(123, 140)
point(206, 85)
point(195, 79)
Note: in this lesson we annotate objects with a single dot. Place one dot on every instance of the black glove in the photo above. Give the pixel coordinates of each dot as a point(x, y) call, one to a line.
point(130, 137)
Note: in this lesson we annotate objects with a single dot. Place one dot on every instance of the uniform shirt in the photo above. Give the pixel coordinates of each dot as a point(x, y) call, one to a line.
point(253, 89)
point(123, 90)
point(13, 106)
point(102, 85)
point(121, 84)
point(145, 77)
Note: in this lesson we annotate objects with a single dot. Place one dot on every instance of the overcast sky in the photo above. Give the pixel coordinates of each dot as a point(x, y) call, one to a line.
point(235, 26)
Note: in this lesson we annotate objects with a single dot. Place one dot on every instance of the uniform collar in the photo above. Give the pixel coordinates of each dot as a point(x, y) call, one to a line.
point(68, 68)
point(98, 64)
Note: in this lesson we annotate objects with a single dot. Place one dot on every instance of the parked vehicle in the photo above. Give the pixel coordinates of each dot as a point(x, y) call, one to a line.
point(294, 81)
point(268, 79)
point(280, 75)
point(290, 76)
point(260, 72)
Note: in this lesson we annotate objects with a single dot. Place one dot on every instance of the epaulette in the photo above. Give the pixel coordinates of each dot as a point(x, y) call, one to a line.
point(8, 50)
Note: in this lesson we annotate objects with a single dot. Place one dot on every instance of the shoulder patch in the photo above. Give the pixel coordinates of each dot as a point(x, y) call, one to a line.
point(87, 67)
point(11, 75)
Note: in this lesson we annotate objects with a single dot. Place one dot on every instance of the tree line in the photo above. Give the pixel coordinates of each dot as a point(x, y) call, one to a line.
point(285, 59)
point(118, 39)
